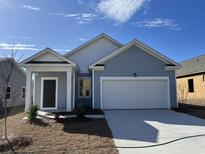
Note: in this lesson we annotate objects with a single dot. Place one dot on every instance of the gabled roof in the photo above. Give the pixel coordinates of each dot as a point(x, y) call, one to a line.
point(16, 64)
point(103, 35)
point(44, 51)
point(192, 66)
point(140, 45)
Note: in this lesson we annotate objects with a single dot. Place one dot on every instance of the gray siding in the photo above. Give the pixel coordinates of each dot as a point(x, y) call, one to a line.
point(90, 54)
point(62, 90)
point(17, 82)
point(134, 60)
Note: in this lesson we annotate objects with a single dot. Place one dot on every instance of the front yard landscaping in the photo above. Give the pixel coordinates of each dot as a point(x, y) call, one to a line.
point(66, 136)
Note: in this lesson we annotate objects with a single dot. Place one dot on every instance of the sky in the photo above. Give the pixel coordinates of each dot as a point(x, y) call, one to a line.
point(173, 27)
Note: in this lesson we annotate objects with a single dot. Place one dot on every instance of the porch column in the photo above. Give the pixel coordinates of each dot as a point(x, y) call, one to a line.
point(69, 87)
point(28, 89)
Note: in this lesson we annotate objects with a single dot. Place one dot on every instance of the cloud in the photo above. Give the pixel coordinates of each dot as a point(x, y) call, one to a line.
point(31, 7)
point(157, 23)
point(82, 39)
point(61, 50)
point(120, 10)
point(18, 46)
point(80, 2)
point(81, 18)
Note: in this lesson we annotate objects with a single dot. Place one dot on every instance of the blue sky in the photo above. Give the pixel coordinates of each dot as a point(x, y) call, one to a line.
point(173, 27)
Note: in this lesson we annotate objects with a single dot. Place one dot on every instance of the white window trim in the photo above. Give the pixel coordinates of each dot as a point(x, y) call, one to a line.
point(22, 93)
point(80, 78)
point(135, 78)
point(42, 84)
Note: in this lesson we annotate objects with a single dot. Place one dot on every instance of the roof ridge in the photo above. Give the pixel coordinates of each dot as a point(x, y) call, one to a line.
point(192, 58)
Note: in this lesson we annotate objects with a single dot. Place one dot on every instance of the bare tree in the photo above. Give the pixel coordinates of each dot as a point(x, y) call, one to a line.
point(182, 92)
point(6, 76)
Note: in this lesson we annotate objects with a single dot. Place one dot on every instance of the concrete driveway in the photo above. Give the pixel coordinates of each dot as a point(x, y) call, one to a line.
point(136, 128)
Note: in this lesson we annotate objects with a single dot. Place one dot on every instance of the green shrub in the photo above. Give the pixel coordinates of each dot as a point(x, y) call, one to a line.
point(32, 114)
point(81, 110)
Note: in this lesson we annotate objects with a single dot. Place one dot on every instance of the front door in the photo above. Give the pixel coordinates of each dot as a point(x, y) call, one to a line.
point(49, 93)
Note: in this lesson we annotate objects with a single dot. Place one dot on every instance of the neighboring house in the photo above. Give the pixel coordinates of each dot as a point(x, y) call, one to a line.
point(103, 74)
point(15, 92)
point(191, 81)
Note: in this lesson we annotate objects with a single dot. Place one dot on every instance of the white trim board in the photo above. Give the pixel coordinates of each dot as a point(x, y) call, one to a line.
point(135, 78)
point(51, 68)
point(56, 99)
point(140, 45)
point(93, 92)
point(74, 84)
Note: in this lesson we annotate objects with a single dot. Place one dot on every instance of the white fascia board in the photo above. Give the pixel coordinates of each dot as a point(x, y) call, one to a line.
point(169, 68)
point(97, 68)
point(51, 65)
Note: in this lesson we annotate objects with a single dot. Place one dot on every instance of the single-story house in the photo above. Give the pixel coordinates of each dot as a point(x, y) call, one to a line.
point(102, 74)
point(14, 93)
point(191, 81)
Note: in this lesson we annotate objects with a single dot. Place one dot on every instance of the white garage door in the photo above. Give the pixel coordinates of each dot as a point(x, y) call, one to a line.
point(134, 93)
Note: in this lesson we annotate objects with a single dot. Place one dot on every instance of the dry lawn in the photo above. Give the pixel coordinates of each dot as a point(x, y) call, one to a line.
point(71, 136)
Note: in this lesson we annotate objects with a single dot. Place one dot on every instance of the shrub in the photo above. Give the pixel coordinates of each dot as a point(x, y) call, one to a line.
point(81, 110)
point(32, 114)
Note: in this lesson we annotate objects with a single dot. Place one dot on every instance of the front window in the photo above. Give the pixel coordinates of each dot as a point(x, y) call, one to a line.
point(84, 87)
point(191, 85)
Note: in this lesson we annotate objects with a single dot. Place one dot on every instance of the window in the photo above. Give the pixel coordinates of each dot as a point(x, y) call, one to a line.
point(84, 87)
point(23, 92)
point(8, 93)
point(191, 85)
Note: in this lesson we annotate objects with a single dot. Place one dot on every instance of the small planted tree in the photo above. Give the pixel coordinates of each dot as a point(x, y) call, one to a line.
point(182, 92)
point(6, 78)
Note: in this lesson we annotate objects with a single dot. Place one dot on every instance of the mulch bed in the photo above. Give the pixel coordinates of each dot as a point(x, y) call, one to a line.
point(66, 136)
point(87, 112)
point(195, 110)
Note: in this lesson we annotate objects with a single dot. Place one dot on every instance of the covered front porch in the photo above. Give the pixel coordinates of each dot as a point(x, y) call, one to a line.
point(50, 82)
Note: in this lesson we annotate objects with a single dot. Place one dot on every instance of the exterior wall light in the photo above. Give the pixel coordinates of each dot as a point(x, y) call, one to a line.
point(135, 75)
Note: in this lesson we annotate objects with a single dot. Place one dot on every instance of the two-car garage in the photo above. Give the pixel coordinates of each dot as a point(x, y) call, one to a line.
point(134, 93)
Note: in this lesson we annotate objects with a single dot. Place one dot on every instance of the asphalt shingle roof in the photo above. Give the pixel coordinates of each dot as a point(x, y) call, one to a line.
point(192, 66)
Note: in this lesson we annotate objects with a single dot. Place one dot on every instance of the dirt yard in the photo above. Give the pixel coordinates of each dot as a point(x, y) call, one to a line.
point(195, 110)
point(68, 136)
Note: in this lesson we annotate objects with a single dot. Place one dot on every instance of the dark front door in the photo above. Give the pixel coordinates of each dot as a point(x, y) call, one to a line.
point(49, 94)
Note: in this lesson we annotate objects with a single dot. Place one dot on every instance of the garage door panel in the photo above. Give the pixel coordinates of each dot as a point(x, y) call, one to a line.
point(134, 94)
